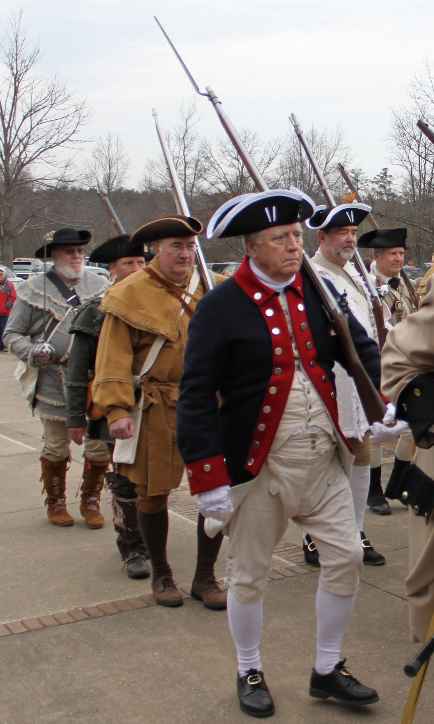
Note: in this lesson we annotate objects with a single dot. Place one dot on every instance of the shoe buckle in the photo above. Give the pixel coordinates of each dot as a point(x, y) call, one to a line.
point(254, 679)
point(311, 547)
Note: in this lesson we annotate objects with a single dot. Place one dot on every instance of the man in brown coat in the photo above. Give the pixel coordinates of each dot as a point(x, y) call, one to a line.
point(144, 336)
point(408, 380)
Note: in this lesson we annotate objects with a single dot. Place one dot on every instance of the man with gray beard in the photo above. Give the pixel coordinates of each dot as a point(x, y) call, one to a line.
point(38, 334)
point(336, 230)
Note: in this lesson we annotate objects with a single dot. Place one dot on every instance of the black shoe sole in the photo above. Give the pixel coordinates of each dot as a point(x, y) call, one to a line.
point(380, 512)
point(374, 563)
point(140, 576)
point(320, 694)
point(174, 604)
point(255, 713)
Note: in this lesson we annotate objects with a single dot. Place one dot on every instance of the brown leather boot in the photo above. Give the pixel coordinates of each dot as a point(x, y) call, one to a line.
point(154, 528)
point(53, 476)
point(93, 483)
point(205, 587)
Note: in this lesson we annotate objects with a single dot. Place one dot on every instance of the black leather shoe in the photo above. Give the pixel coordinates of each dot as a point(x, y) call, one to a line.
point(342, 686)
point(137, 566)
point(311, 555)
point(255, 699)
point(371, 557)
point(379, 505)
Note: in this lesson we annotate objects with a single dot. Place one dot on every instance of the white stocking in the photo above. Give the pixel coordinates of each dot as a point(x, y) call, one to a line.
point(332, 617)
point(245, 625)
point(359, 483)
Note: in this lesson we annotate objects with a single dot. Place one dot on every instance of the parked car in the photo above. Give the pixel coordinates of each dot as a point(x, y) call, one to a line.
point(224, 267)
point(23, 267)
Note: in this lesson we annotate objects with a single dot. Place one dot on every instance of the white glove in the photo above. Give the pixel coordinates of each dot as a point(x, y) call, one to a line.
point(42, 354)
point(217, 503)
point(390, 414)
point(384, 434)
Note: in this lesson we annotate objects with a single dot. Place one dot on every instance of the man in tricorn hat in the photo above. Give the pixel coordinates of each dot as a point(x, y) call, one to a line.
point(122, 258)
point(38, 334)
point(258, 430)
point(336, 231)
point(408, 379)
point(143, 337)
point(389, 247)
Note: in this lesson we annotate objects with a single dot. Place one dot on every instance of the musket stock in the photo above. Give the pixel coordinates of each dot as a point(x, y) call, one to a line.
point(372, 403)
point(405, 278)
point(181, 203)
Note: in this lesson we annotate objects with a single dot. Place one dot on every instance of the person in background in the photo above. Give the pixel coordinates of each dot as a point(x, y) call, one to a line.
point(7, 299)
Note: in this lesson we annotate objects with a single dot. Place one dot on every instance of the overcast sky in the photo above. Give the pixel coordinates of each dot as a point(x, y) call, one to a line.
point(331, 62)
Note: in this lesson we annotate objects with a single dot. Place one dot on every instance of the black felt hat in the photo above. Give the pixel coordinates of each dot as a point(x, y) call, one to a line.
point(62, 237)
point(326, 217)
point(166, 228)
point(111, 250)
point(249, 213)
point(383, 239)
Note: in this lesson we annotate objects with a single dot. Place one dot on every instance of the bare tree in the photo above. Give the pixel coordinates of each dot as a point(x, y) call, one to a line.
point(295, 170)
point(37, 120)
point(188, 153)
point(226, 171)
point(108, 166)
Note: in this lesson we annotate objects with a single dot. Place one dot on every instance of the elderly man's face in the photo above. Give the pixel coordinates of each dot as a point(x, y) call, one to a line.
point(277, 251)
point(338, 245)
point(390, 261)
point(176, 257)
point(69, 260)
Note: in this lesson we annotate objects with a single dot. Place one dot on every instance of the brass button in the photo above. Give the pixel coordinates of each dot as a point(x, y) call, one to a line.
point(261, 427)
point(278, 350)
point(277, 371)
point(309, 345)
point(323, 378)
point(207, 467)
point(332, 395)
point(189, 472)
point(275, 330)
point(312, 363)
point(303, 326)
point(300, 307)
point(272, 390)
point(250, 461)
point(257, 296)
point(417, 392)
point(269, 312)
point(266, 409)
point(256, 443)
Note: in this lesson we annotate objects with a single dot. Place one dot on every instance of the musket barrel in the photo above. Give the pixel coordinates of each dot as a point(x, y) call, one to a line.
point(426, 130)
point(112, 213)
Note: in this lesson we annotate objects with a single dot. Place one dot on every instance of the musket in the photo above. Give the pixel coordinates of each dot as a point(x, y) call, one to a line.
point(371, 400)
point(377, 306)
point(371, 218)
point(117, 223)
point(426, 129)
point(181, 204)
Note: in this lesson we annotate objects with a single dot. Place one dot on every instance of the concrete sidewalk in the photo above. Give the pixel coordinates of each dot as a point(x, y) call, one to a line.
point(80, 642)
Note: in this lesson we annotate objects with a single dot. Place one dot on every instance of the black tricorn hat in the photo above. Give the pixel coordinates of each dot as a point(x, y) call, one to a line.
point(166, 228)
point(326, 217)
point(383, 239)
point(249, 213)
point(115, 248)
point(62, 237)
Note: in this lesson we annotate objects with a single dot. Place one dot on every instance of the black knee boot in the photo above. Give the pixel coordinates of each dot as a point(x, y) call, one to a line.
point(154, 528)
point(205, 587)
point(397, 484)
point(133, 550)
